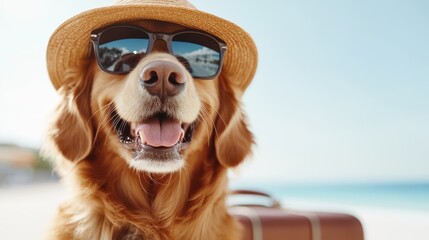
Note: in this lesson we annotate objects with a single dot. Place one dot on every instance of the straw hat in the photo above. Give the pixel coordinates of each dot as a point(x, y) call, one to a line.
point(70, 43)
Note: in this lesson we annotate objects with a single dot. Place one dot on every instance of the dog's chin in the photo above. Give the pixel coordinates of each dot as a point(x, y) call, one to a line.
point(154, 165)
point(148, 158)
point(158, 160)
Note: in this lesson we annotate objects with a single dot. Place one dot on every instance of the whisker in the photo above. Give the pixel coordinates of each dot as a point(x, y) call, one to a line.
point(140, 181)
point(166, 184)
point(205, 120)
point(216, 111)
point(109, 117)
point(99, 110)
point(102, 118)
point(205, 115)
point(207, 107)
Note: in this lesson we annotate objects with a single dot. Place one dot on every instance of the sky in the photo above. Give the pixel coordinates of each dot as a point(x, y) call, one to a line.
point(340, 94)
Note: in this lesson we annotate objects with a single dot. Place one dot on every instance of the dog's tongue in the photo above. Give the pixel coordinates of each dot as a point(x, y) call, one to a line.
point(160, 133)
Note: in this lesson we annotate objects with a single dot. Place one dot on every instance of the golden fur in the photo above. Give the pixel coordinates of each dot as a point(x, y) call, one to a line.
point(113, 200)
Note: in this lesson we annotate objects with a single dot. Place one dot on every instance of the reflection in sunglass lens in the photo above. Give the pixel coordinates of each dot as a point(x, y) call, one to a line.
point(200, 53)
point(121, 48)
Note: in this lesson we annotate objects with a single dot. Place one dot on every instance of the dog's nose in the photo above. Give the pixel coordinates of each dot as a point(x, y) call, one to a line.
point(163, 78)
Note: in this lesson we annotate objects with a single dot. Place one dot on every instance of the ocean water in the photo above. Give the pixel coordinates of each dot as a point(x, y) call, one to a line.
point(398, 196)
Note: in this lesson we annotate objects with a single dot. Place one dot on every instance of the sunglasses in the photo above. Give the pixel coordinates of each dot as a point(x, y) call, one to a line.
point(118, 49)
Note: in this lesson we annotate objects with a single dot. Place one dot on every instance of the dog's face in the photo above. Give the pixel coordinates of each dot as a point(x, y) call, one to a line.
point(155, 115)
point(155, 108)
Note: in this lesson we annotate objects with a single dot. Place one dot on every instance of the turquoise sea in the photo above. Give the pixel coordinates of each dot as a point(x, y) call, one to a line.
point(394, 195)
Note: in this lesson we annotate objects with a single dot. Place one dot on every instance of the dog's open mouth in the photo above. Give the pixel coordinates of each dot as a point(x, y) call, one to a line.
point(159, 138)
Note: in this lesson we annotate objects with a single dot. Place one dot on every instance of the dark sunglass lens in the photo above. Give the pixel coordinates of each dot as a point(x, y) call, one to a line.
point(198, 52)
point(121, 48)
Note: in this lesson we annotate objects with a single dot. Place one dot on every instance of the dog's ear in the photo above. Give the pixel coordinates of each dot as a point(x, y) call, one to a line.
point(71, 131)
point(234, 140)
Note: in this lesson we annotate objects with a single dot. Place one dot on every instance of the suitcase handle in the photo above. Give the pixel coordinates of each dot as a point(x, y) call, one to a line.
point(273, 202)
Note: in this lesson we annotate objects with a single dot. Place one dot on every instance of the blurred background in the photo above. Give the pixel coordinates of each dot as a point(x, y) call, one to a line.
point(339, 106)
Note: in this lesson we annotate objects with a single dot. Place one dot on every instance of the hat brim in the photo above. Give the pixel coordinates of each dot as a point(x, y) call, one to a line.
point(70, 43)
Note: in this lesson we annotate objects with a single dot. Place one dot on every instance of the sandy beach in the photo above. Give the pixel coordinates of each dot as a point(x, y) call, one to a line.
point(25, 212)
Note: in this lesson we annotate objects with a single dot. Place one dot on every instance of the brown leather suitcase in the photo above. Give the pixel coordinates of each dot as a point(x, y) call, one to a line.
point(274, 223)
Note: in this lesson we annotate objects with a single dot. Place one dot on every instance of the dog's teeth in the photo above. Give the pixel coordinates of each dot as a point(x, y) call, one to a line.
point(182, 136)
point(140, 140)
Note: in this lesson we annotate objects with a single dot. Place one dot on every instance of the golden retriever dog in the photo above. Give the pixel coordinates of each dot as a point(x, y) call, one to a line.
point(147, 152)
